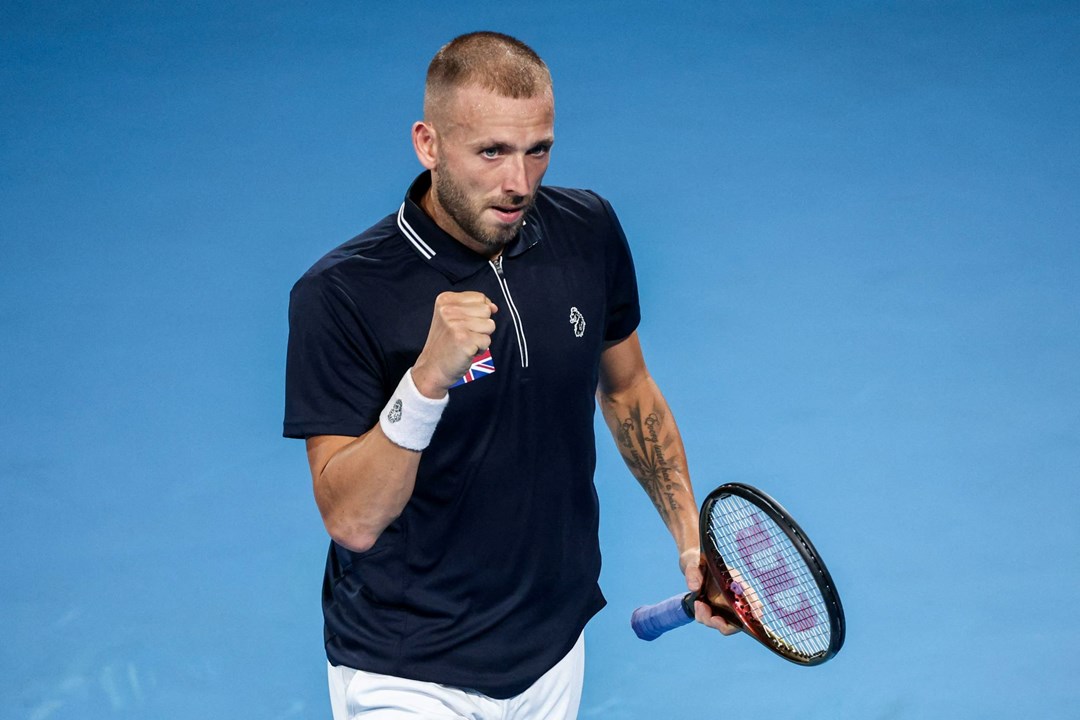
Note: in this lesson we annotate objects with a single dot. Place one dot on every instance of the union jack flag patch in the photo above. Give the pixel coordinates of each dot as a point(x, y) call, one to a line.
point(482, 365)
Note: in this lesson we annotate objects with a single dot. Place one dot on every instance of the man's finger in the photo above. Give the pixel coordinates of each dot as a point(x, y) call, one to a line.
point(703, 613)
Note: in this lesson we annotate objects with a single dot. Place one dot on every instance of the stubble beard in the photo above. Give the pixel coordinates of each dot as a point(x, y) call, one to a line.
point(466, 213)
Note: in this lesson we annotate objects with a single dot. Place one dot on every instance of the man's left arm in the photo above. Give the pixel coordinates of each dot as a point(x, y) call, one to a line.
point(648, 439)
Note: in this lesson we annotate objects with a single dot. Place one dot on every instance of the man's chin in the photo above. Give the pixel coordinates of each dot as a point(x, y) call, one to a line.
point(500, 234)
point(506, 234)
point(492, 235)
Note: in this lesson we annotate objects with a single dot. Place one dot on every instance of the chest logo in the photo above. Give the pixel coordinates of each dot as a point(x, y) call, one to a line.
point(578, 321)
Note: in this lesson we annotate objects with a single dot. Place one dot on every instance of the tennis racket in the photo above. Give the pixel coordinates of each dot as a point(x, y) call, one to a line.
point(763, 575)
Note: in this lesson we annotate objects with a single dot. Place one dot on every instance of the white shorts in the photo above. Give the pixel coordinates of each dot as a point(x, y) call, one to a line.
point(370, 696)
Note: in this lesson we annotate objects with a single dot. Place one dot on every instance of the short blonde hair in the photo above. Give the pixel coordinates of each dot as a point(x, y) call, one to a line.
point(493, 61)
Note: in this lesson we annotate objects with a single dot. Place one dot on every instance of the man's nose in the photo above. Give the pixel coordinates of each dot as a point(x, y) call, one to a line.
point(515, 176)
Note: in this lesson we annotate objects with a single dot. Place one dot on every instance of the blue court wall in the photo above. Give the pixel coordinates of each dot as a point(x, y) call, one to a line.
point(855, 229)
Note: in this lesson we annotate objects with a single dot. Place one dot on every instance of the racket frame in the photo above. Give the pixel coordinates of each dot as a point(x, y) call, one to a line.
point(735, 609)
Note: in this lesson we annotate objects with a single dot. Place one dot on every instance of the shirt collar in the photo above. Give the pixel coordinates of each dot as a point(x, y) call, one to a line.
point(440, 249)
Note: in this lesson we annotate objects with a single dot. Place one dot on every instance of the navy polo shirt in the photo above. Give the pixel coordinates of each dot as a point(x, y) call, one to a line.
point(489, 575)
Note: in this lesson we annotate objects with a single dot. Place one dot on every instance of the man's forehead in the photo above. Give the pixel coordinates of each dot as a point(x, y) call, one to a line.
point(474, 102)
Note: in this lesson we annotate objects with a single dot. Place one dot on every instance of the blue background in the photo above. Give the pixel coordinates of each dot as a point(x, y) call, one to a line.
point(855, 227)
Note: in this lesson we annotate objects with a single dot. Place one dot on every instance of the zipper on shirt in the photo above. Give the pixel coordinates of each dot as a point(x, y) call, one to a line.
point(519, 328)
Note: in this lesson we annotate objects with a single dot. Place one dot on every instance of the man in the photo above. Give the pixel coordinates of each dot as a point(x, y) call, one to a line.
point(442, 368)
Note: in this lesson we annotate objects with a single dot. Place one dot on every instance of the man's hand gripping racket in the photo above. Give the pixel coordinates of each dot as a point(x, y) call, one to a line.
point(761, 574)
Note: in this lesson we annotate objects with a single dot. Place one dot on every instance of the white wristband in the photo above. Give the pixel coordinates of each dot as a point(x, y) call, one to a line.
point(409, 418)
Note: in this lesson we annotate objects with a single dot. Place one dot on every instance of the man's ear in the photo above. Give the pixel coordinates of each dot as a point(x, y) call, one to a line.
point(425, 143)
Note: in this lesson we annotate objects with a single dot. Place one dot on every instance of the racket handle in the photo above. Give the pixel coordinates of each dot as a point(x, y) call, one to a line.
point(652, 621)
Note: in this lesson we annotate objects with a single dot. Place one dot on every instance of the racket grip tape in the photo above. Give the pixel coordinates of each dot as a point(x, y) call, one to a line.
point(651, 621)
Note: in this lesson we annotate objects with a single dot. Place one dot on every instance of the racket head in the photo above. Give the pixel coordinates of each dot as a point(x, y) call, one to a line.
point(765, 574)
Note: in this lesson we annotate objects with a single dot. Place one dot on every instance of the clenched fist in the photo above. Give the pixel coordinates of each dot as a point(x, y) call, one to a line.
point(461, 328)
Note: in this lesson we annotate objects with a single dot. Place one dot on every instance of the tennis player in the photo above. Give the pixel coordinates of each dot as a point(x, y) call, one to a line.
point(444, 368)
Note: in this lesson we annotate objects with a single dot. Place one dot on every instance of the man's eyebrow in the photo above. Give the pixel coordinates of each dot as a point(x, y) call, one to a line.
point(503, 145)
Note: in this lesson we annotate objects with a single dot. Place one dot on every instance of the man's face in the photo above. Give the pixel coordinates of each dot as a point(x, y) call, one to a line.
point(491, 152)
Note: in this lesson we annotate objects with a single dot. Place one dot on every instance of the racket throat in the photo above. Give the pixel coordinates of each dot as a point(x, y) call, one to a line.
point(719, 605)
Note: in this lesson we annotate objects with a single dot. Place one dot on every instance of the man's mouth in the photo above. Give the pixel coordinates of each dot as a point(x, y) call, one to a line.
point(509, 213)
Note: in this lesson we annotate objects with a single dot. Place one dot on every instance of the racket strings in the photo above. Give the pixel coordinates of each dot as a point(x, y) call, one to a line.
point(770, 576)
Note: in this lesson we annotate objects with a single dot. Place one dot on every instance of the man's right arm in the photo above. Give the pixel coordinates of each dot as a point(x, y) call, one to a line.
point(362, 484)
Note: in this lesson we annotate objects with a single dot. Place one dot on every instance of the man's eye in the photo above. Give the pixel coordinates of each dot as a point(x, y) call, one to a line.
point(540, 150)
point(490, 153)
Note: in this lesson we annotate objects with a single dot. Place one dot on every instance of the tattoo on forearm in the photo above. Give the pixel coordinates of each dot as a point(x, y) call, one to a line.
point(642, 444)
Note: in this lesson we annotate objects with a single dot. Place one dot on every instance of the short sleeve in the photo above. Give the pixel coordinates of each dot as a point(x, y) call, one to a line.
point(623, 309)
point(334, 370)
